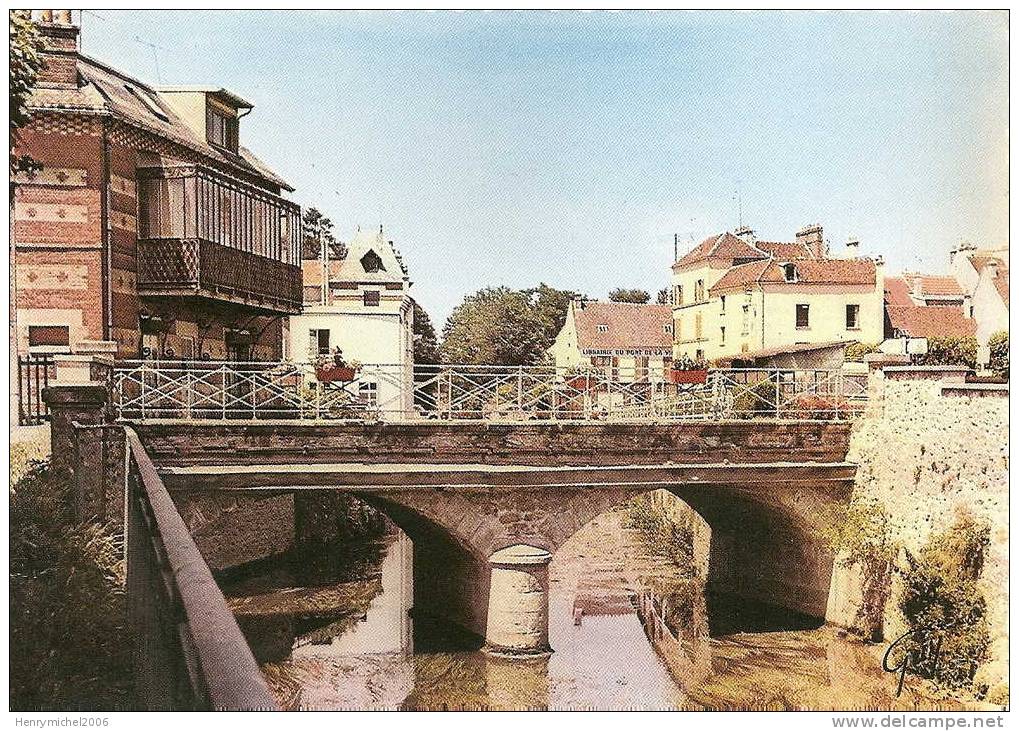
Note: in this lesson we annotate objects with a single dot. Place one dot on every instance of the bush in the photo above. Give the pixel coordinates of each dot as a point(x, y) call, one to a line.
point(69, 643)
point(949, 350)
point(943, 607)
point(998, 345)
point(760, 398)
point(856, 351)
point(664, 535)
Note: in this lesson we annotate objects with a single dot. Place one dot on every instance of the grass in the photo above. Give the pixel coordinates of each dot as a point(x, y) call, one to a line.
point(70, 648)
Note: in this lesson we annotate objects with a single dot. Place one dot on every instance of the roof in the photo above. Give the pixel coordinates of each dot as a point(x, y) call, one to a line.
point(808, 271)
point(105, 90)
point(628, 326)
point(218, 91)
point(934, 285)
point(794, 348)
point(897, 292)
point(351, 268)
point(925, 321)
point(728, 246)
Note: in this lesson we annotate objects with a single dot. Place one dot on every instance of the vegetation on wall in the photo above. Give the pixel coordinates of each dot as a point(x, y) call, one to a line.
point(949, 350)
point(859, 534)
point(944, 609)
point(69, 640)
point(503, 326)
point(998, 345)
point(25, 63)
point(665, 533)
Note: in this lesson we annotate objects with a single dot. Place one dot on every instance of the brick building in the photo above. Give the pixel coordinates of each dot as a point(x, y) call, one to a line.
point(149, 225)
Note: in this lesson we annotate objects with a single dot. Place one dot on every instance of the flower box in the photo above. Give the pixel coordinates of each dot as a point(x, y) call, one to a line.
point(580, 383)
point(676, 376)
point(330, 374)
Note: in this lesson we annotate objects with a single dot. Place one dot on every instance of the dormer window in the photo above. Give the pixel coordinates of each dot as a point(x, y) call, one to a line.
point(603, 328)
point(372, 263)
point(789, 270)
point(221, 128)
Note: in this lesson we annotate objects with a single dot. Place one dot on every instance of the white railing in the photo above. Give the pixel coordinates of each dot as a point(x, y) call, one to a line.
point(154, 389)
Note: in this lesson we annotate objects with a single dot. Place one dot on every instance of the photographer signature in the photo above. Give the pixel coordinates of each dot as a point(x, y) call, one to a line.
point(926, 656)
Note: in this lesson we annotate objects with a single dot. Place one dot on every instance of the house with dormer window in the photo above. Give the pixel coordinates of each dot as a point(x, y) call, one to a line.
point(361, 305)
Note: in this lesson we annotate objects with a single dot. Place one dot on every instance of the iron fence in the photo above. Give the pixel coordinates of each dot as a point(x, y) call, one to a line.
point(34, 374)
point(288, 391)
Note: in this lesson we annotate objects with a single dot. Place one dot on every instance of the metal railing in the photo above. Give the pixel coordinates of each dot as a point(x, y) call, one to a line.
point(34, 373)
point(258, 390)
point(189, 652)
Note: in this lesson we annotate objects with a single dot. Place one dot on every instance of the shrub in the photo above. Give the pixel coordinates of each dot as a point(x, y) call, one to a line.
point(759, 398)
point(944, 608)
point(949, 350)
point(856, 351)
point(69, 642)
point(998, 345)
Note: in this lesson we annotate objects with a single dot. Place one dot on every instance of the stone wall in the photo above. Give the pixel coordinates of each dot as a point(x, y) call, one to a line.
point(928, 446)
point(231, 530)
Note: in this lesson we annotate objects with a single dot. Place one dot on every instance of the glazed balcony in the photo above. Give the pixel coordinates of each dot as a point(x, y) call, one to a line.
point(202, 234)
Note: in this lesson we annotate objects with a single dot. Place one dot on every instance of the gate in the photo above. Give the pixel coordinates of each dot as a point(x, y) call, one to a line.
point(34, 373)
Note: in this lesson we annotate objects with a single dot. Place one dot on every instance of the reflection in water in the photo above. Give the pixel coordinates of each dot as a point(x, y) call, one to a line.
point(646, 640)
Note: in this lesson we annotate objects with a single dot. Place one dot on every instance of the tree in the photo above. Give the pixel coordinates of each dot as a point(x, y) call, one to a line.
point(663, 297)
point(426, 343)
point(503, 326)
point(998, 345)
point(949, 350)
point(25, 64)
point(318, 230)
point(636, 296)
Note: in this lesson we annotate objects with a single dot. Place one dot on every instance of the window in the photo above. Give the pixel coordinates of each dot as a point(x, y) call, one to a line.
point(698, 291)
point(162, 206)
point(722, 336)
point(789, 270)
point(49, 335)
point(368, 391)
point(603, 328)
point(677, 294)
point(746, 319)
point(666, 328)
point(852, 317)
point(699, 355)
point(677, 327)
point(372, 298)
point(802, 317)
point(698, 330)
point(318, 342)
point(372, 263)
point(723, 304)
point(221, 129)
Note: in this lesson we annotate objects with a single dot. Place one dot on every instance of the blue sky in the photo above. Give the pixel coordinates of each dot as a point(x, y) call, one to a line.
point(512, 148)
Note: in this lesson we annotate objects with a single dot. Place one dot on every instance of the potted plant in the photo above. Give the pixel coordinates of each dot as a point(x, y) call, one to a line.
point(333, 368)
point(688, 370)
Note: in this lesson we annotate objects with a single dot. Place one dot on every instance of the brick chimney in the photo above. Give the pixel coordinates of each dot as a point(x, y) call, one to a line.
point(60, 48)
point(812, 237)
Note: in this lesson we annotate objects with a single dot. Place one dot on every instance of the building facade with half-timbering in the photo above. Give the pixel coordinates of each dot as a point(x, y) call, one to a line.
point(147, 224)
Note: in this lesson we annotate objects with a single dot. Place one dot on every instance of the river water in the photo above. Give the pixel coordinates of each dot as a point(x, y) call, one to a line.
point(649, 639)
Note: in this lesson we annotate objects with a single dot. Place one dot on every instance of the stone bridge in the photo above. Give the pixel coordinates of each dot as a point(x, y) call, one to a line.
point(487, 505)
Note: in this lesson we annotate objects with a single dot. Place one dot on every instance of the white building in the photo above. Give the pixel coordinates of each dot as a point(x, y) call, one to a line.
point(361, 305)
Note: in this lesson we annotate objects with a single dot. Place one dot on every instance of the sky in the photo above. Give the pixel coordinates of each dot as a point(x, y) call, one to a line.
point(512, 148)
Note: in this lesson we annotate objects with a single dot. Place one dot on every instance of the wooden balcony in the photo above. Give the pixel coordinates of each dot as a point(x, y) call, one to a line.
point(204, 269)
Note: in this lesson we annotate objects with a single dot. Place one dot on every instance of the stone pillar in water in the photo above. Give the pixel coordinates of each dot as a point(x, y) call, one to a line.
point(518, 602)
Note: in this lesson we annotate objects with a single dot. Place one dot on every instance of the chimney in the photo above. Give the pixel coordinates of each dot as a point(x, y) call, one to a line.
point(812, 237)
point(746, 234)
point(60, 48)
point(992, 268)
point(852, 247)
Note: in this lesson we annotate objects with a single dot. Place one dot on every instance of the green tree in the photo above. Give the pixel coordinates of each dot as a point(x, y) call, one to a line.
point(636, 296)
point(949, 350)
point(25, 64)
point(663, 297)
point(998, 345)
point(318, 230)
point(503, 326)
point(426, 343)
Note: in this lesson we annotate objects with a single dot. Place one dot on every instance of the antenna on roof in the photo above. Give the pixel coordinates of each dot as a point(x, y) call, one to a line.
point(738, 197)
point(675, 247)
point(155, 56)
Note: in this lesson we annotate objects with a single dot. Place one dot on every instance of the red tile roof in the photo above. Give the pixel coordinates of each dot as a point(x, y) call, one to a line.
point(930, 321)
point(897, 292)
point(731, 247)
point(1001, 283)
point(808, 271)
point(629, 326)
point(935, 285)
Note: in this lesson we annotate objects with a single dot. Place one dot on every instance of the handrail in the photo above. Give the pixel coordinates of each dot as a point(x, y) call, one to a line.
point(221, 669)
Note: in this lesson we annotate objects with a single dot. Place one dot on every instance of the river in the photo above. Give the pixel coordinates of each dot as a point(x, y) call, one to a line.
point(648, 639)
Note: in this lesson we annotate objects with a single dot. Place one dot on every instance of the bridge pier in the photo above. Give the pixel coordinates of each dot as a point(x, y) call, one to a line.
point(518, 602)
